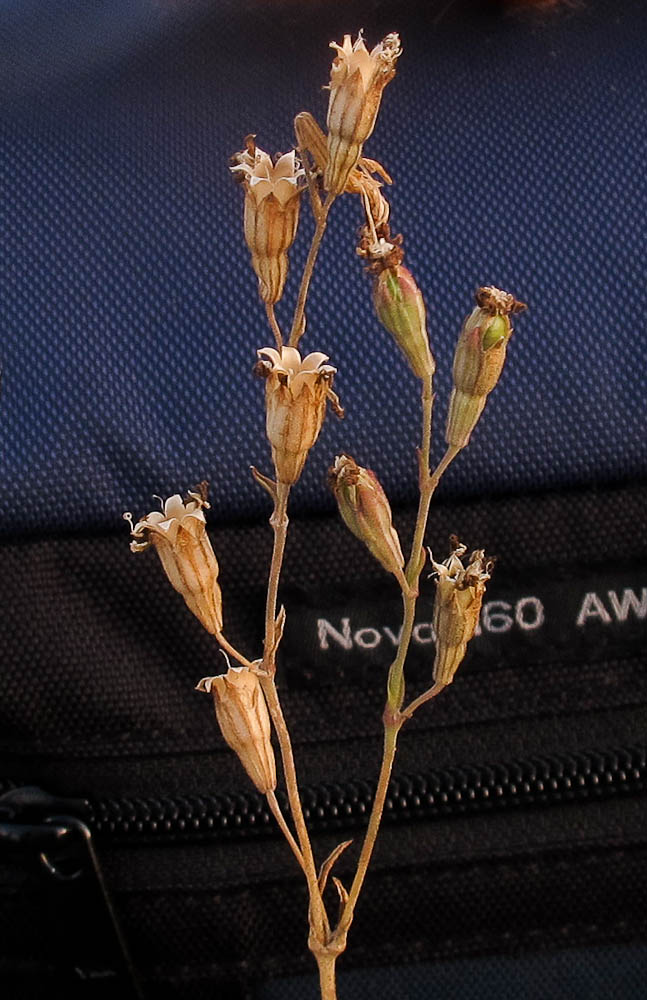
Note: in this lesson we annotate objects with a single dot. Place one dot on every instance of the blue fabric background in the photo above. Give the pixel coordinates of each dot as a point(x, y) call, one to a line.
point(130, 317)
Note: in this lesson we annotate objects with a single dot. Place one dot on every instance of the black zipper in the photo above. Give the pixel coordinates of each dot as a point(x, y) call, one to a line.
point(63, 831)
point(455, 791)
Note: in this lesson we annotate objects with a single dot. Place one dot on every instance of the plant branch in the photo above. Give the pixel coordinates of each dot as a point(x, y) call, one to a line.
point(326, 961)
point(426, 696)
point(319, 919)
point(441, 468)
point(391, 730)
point(285, 829)
point(233, 652)
point(395, 684)
point(320, 228)
point(274, 324)
point(279, 522)
point(394, 718)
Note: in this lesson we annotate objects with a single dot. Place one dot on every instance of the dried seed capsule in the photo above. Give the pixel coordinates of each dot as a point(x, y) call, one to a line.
point(400, 308)
point(357, 79)
point(271, 214)
point(478, 361)
point(459, 593)
point(365, 508)
point(244, 722)
point(296, 392)
point(178, 533)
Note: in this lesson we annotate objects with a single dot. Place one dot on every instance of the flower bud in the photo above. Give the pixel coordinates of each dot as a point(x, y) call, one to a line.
point(271, 214)
point(296, 392)
point(364, 506)
point(178, 533)
point(478, 361)
point(400, 308)
point(244, 722)
point(357, 80)
point(459, 593)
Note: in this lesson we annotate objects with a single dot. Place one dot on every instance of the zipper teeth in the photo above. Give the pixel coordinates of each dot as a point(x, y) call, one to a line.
point(455, 791)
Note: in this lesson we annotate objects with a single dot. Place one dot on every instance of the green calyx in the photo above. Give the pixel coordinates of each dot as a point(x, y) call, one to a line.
point(496, 331)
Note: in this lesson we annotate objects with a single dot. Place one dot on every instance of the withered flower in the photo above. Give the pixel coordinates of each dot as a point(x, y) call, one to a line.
point(296, 392)
point(271, 213)
point(478, 360)
point(244, 722)
point(178, 533)
point(357, 79)
point(365, 509)
point(365, 179)
point(459, 593)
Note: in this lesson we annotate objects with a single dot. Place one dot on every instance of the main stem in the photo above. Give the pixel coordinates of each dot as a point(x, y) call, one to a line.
point(327, 976)
point(279, 522)
point(319, 919)
point(320, 229)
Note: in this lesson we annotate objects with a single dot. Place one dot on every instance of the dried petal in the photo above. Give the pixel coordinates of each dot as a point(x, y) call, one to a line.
point(295, 401)
point(179, 536)
point(244, 721)
point(357, 80)
point(459, 593)
point(271, 213)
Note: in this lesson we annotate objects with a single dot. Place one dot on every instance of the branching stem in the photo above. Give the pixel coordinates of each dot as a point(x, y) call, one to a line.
point(279, 522)
point(318, 918)
point(317, 236)
point(274, 324)
point(233, 652)
point(422, 699)
point(394, 718)
point(285, 829)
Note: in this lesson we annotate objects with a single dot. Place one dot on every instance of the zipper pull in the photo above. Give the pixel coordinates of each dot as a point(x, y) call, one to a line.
point(87, 945)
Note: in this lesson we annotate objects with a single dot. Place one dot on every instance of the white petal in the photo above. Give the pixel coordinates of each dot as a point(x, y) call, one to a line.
point(312, 361)
point(290, 358)
point(263, 158)
point(174, 506)
point(154, 517)
point(272, 354)
point(284, 166)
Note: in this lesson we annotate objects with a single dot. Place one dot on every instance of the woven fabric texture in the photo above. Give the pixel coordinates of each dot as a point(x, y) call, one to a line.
point(130, 313)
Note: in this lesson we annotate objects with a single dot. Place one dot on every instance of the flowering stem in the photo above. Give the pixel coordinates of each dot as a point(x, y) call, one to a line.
point(395, 684)
point(274, 324)
point(285, 829)
point(414, 566)
point(318, 917)
point(394, 718)
point(426, 696)
point(320, 229)
point(441, 468)
point(391, 730)
point(326, 961)
point(233, 652)
point(279, 522)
